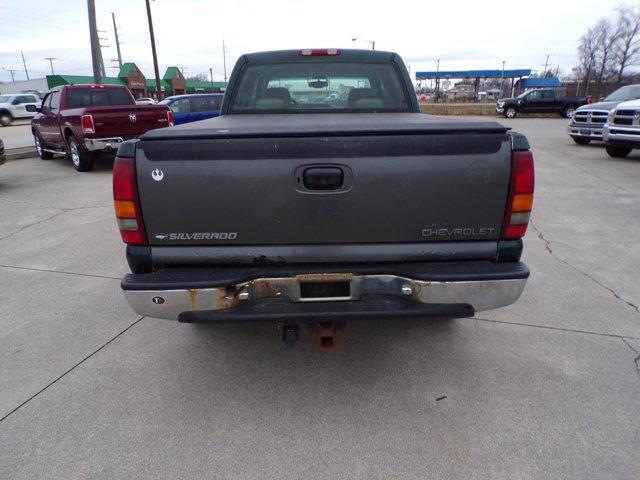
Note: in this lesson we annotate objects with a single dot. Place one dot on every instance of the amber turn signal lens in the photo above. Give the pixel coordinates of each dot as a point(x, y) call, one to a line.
point(125, 209)
point(522, 202)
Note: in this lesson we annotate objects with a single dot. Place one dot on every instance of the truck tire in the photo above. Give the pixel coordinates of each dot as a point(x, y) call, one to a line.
point(82, 160)
point(5, 119)
point(567, 112)
point(510, 112)
point(40, 146)
point(581, 140)
point(617, 152)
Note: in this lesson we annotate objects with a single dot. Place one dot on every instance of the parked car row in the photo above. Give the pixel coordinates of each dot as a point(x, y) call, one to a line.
point(615, 120)
point(83, 120)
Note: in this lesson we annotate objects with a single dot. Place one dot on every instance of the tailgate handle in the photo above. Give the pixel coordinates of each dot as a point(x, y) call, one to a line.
point(323, 178)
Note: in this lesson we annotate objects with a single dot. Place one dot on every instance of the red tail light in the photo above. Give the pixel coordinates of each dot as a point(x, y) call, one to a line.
point(170, 118)
point(520, 199)
point(127, 202)
point(87, 124)
point(319, 52)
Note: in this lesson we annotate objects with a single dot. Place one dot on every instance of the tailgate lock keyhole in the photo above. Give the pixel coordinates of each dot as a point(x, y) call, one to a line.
point(323, 178)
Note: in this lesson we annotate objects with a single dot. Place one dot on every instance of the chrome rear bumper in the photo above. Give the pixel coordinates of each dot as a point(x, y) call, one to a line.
point(172, 303)
point(95, 144)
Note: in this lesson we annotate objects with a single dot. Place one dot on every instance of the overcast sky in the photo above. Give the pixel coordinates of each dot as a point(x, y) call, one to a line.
point(463, 34)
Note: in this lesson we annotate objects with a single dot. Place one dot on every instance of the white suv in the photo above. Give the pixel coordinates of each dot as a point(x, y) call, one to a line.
point(14, 106)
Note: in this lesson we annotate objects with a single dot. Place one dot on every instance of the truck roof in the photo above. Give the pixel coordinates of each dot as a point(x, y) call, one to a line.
point(344, 55)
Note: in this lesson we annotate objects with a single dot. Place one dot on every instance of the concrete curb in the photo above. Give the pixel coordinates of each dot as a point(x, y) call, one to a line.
point(19, 153)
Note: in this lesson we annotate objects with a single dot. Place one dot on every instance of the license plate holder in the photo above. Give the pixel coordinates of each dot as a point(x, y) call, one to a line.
point(585, 131)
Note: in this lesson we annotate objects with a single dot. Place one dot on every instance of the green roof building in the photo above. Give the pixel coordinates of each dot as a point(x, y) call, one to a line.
point(172, 83)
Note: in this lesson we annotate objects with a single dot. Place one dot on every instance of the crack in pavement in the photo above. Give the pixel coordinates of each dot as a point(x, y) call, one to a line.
point(78, 274)
point(636, 360)
point(57, 214)
point(66, 209)
point(72, 368)
point(547, 244)
point(24, 227)
point(550, 327)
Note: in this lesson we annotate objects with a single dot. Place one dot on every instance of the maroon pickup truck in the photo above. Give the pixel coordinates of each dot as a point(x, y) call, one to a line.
point(83, 120)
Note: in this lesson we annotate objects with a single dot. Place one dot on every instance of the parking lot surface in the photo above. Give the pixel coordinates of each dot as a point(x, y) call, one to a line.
point(546, 388)
point(17, 135)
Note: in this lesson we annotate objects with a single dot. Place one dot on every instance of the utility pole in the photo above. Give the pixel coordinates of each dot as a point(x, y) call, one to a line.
point(502, 79)
point(437, 81)
point(12, 72)
point(115, 33)
point(224, 60)
point(211, 75)
point(51, 59)
point(104, 74)
point(96, 54)
point(545, 66)
point(25, 65)
point(153, 52)
point(182, 70)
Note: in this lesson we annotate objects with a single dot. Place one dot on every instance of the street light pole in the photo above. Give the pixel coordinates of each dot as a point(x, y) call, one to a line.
point(211, 75)
point(12, 72)
point(370, 42)
point(51, 59)
point(153, 52)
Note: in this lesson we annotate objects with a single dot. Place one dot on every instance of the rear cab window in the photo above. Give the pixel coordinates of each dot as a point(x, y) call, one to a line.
point(98, 97)
point(205, 103)
point(304, 87)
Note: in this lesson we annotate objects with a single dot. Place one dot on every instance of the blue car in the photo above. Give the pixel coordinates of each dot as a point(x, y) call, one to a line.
point(191, 108)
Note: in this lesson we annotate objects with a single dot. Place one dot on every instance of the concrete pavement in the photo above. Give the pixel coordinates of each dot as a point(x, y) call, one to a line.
point(546, 388)
point(17, 135)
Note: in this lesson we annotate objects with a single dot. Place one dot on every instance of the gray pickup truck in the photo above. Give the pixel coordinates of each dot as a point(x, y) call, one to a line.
point(320, 195)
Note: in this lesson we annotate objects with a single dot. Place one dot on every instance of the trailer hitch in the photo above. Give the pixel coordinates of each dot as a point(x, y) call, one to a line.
point(326, 334)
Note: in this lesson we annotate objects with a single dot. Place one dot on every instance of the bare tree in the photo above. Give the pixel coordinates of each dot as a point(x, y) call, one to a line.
point(199, 77)
point(607, 36)
point(587, 54)
point(628, 46)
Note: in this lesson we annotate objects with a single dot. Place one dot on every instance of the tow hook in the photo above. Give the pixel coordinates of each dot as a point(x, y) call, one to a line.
point(326, 334)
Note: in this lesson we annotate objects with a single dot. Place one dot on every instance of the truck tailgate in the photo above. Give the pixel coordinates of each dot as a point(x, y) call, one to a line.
point(127, 120)
point(391, 179)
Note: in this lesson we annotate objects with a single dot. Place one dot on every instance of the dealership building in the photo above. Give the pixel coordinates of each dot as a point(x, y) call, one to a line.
point(172, 83)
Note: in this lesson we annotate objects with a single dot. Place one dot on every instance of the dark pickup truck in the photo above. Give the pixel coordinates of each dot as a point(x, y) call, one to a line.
point(540, 101)
point(82, 120)
point(322, 195)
